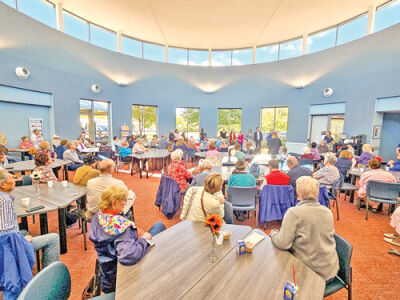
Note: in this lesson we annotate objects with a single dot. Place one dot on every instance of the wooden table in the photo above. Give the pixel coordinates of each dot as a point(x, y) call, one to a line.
point(21, 151)
point(178, 268)
point(144, 160)
point(29, 165)
point(34, 201)
point(61, 198)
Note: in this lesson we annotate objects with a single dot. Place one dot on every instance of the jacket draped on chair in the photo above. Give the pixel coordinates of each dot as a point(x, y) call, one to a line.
point(168, 196)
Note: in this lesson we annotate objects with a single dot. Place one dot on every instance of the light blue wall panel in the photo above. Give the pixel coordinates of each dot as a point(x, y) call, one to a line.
point(17, 95)
point(328, 109)
point(388, 104)
point(390, 136)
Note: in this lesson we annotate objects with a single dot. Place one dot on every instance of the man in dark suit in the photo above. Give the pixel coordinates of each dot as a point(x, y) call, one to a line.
point(258, 136)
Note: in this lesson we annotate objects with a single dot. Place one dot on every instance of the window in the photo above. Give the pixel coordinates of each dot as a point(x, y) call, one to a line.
point(144, 120)
point(95, 120)
point(352, 30)
point(242, 57)
point(276, 119)
point(322, 40)
point(40, 10)
point(178, 56)
point(154, 52)
point(103, 38)
point(230, 119)
point(132, 47)
point(76, 27)
point(188, 121)
point(221, 58)
point(387, 15)
point(290, 49)
point(267, 54)
point(11, 3)
point(198, 58)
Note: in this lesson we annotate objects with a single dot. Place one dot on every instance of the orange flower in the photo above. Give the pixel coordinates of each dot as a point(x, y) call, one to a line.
point(32, 151)
point(214, 222)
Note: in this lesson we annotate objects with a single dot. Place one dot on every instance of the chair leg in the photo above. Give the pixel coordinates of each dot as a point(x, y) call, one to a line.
point(366, 208)
point(37, 260)
point(349, 292)
point(337, 209)
point(84, 234)
point(33, 219)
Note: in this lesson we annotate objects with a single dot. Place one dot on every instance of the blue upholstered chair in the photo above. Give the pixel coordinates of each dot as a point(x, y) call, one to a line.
point(53, 282)
point(382, 192)
point(344, 277)
point(243, 198)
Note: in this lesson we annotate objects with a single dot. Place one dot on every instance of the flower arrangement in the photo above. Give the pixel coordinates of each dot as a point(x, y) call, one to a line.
point(32, 151)
point(214, 222)
point(36, 175)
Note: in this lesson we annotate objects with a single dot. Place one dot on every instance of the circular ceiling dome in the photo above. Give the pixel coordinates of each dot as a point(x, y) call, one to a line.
point(217, 24)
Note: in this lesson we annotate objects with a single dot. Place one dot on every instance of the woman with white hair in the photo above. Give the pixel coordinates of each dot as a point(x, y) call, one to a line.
point(177, 171)
point(330, 173)
point(307, 153)
point(72, 157)
point(307, 231)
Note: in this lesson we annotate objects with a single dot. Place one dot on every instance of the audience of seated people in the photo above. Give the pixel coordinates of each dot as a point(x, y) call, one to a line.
point(261, 160)
point(206, 200)
point(296, 171)
point(376, 173)
point(87, 171)
point(344, 162)
point(365, 156)
point(177, 170)
point(42, 162)
point(116, 238)
point(307, 231)
point(72, 156)
point(275, 177)
point(329, 173)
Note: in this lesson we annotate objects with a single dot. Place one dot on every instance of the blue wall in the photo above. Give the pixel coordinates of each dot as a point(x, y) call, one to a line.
point(359, 72)
point(390, 136)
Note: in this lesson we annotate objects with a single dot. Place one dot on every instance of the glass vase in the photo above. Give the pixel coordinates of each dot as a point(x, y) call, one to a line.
point(37, 187)
point(213, 250)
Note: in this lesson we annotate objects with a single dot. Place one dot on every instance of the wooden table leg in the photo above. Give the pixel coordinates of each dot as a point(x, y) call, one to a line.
point(44, 228)
point(140, 168)
point(62, 229)
point(24, 224)
point(66, 172)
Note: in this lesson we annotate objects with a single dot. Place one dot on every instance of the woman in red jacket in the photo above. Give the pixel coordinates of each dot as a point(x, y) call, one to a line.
point(232, 136)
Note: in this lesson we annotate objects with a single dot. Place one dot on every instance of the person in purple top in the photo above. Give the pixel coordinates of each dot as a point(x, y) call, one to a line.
point(365, 156)
point(116, 238)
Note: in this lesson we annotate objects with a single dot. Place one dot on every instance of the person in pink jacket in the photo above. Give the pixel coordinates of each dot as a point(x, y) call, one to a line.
point(377, 174)
point(240, 139)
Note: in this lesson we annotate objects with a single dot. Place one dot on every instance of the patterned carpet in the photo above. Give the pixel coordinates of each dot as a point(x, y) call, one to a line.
point(375, 273)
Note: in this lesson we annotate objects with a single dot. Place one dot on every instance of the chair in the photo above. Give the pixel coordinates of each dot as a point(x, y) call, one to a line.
point(344, 277)
point(168, 196)
point(26, 180)
point(105, 154)
point(306, 161)
point(53, 282)
point(120, 161)
point(335, 192)
point(191, 153)
point(243, 198)
point(382, 192)
point(12, 159)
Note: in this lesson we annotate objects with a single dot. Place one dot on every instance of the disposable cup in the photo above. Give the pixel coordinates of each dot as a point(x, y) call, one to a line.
point(64, 183)
point(25, 202)
point(50, 183)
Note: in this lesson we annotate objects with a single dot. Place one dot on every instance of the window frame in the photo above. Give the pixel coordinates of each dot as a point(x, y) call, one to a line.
point(186, 131)
point(275, 109)
point(143, 118)
point(91, 116)
point(229, 118)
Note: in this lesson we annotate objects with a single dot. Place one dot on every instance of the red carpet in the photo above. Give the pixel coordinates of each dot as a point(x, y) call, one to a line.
point(375, 273)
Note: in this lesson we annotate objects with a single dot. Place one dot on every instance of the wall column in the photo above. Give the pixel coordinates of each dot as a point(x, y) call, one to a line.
point(59, 16)
point(119, 41)
point(304, 51)
point(371, 19)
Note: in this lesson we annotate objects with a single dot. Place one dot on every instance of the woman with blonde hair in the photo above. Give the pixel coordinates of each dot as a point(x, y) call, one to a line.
point(116, 238)
point(365, 156)
point(344, 162)
point(308, 231)
point(180, 144)
point(177, 171)
point(202, 201)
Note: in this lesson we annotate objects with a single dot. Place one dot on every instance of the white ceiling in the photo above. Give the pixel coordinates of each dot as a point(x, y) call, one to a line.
point(217, 24)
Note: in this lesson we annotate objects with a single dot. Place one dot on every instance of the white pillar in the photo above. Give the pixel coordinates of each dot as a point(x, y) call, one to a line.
point(166, 53)
point(119, 41)
point(254, 54)
point(305, 35)
point(371, 19)
point(59, 16)
point(209, 57)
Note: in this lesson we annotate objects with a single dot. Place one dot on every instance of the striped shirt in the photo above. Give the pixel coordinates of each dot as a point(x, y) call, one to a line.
point(8, 217)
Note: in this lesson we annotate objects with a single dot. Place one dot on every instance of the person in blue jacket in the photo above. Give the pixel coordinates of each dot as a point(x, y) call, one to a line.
point(125, 151)
point(395, 165)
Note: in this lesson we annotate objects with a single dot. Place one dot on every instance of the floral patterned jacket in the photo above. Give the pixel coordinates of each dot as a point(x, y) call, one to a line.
point(177, 171)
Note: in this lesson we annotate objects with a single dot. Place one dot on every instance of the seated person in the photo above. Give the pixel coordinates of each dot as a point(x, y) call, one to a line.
point(314, 151)
point(329, 173)
point(296, 171)
point(48, 243)
point(212, 151)
point(177, 171)
point(240, 177)
point(45, 148)
point(323, 147)
point(231, 159)
point(344, 162)
point(376, 174)
point(97, 185)
point(3, 157)
point(210, 197)
point(72, 157)
point(260, 161)
point(239, 154)
point(307, 231)
point(116, 238)
point(87, 171)
point(218, 143)
point(163, 142)
point(249, 147)
point(307, 154)
point(36, 137)
point(61, 149)
point(395, 165)
point(275, 177)
point(223, 146)
point(116, 144)
point(125, 151)
point(198, 180)
point(104, 147)
point(139, 146)
point(365, 156)
point(42, 162)
point(80, 145)
point(154, 142)
point(145, 141)
point(282, 155)
point(26, 143)
point(190, 143)
point(55, 142)
point(395, 223)
point(180, 145)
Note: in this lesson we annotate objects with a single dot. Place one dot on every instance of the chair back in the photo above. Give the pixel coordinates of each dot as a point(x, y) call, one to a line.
point(275, 200)
point(191, 152)
point(12, 159)
point(243, 196)
point(27, 180)
point(344, 251)
point(305, 161)
point(337, 186)
point(106, 154)
point(383, 190)
point(117, 148)
point(53, 282)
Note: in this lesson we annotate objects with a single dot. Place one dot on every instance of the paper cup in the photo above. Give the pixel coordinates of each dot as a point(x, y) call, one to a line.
point(50, 183)
point(25, 202)
point(64, 183)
